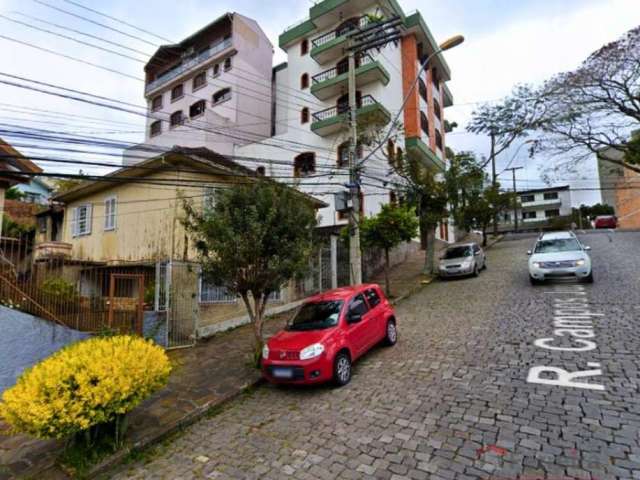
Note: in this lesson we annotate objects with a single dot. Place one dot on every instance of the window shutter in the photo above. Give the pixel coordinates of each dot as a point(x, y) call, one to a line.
point(89, 218)
point(74, 222)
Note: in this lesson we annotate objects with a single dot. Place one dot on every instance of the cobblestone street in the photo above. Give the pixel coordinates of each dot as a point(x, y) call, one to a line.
point(451, 400)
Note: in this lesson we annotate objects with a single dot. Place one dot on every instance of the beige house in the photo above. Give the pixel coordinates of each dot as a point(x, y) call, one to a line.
point(129, 223)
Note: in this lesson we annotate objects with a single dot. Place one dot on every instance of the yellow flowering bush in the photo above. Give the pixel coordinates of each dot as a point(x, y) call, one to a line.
point(88, 383)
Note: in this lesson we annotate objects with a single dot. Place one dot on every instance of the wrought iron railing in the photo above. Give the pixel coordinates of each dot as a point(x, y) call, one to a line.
point(342, 108)
point(363, 59)
point(339, 32)
point(190, 63)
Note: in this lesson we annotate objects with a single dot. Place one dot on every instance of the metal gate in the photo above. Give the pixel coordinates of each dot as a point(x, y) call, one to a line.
point(126, 303)
point(177, 300)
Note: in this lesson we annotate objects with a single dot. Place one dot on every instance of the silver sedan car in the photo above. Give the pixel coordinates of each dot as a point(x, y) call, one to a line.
point(462, 260)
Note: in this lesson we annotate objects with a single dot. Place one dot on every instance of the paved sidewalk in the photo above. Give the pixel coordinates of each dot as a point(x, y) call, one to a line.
point(205, 376)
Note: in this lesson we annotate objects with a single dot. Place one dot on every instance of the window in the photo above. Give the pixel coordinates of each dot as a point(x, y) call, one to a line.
point(372, 297)
point(176, 119)
point(304, 47)
point(156, 128)
point(551, 196)
point(221, 96)
point(552, 213)
point(304, 81)
point(81, 220)
point(438, 139)
point(304, 164)
point(197, 108)
point(435, 78)
point(110, 214)
point(424, 123)
point(209, 198)
point(527, 198)
point(343, 155)
point(422, 88)
point(199, 81)
point(399, 157)
point(227, 64)
point(304, 115)
point(42, 224)
point(156, 103)
point(393, 199)
point(216, 70)
point(391, 152)
point(177, 92)
point(261, 171)
point(212, 293)
point(436, 109)
point(358, 306)
point(529, 215)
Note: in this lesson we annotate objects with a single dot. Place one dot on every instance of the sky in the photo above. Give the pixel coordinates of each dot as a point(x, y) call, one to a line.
point(507, 42)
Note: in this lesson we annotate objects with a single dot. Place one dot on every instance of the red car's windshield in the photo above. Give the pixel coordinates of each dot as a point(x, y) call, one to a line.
point(316, 316)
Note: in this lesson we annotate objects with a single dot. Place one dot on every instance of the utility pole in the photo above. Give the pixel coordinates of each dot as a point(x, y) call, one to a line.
point(515, 196)
point(355, 253)
point(494, 179)
point(376, 35)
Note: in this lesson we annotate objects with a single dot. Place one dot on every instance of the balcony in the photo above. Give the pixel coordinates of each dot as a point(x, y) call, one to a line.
point(420, 150)
point(334, 81)
point(214, 51)
point(48, 250)
point(330, 46)
point(334, 119)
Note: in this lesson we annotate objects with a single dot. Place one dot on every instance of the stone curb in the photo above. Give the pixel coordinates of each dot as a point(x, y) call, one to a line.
point(189, 419)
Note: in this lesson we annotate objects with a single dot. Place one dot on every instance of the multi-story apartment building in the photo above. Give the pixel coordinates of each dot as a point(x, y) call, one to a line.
point(310, 98)
point(213, 89)
point(539, 207)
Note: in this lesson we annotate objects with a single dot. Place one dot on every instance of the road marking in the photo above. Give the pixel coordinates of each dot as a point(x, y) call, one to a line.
point(573, 321)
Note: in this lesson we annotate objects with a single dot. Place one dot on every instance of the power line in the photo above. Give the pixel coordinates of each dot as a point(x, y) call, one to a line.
point(134, 37)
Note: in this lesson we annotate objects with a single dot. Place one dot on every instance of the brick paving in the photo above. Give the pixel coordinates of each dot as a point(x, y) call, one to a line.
point(204, 376)
point(451, 400)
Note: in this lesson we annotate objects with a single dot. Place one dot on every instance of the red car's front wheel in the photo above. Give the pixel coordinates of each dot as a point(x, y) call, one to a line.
point(342, 369)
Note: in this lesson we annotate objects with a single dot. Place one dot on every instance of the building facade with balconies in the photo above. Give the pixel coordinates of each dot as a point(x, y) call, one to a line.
point(310, 104)
point(538, 208)
point(212, 90)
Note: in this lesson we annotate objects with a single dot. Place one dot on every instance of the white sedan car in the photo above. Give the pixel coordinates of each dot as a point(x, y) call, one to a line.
point(559, 255)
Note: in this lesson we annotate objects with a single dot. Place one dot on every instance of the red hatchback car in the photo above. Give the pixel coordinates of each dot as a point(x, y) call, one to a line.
point(606, 221)
point(327, 334)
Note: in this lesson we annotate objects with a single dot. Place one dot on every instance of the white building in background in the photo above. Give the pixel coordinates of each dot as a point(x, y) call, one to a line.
point(540, 206)
point(311, 134)
point(213, 90)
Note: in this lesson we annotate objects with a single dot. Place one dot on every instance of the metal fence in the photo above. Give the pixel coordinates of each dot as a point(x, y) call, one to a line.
point(85, 296)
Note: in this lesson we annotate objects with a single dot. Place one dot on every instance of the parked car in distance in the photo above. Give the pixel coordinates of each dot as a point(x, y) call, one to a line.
point(327, 334)
point(559, 255)
point(606, 221)
point(462, 260)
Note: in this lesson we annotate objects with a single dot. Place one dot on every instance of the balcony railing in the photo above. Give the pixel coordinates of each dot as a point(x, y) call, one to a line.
point(332, 35)
point(189, 64)
point(342, 108)
point(364, 59)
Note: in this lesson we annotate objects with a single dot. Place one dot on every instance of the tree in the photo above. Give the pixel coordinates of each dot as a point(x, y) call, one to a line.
point(485, 206)
point(63, 185)
point(13, 194)
point(504, 123)
point(392, 226)
point(428, 195)
point(464, 181)
point(594, 108)
point(254, 240)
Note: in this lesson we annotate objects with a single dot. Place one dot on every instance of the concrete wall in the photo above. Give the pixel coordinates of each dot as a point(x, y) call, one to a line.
point(26, 340)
